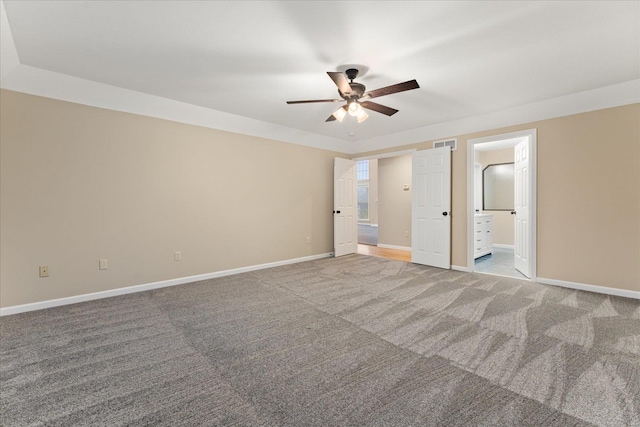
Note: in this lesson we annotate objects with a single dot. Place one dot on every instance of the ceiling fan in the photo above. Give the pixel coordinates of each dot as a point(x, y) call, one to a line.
point(357, 98)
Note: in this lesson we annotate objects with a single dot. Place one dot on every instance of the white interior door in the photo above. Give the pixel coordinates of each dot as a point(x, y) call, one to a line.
point(431, 208)
point(345, 215)
point(522, 208)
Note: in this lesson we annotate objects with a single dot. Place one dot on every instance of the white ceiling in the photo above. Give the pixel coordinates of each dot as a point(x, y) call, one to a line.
point(248, 58)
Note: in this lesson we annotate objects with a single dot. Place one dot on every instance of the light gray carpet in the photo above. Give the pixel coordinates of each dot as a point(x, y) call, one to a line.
point(353, 341)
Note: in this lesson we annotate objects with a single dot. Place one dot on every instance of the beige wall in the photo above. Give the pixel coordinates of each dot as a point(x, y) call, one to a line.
point(588, 196)
point(80, 183)
point(394, 209)
point(503, 226)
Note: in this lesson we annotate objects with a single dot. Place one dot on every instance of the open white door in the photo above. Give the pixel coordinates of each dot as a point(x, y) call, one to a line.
point(345, 218)
point(522, 208)
point(431, 208)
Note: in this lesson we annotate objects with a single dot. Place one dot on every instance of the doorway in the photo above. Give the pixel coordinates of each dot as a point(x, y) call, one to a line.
point(501, 230)
point(384, 204)
point(367, 175)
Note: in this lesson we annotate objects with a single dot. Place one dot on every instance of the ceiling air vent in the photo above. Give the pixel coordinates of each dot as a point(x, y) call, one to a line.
point(453, 143)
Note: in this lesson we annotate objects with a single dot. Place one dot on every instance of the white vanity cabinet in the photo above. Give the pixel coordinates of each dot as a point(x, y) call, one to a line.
point(482, 236)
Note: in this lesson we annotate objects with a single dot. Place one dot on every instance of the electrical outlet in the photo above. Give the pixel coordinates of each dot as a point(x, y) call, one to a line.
point(103, 264)
point(177, 256)
point(44, 271)
point(308, 240)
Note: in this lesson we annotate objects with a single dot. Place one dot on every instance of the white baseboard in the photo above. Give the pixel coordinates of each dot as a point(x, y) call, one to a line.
point(590, 288)
point(498, 245)
point(182, 280)
point(149, 286)
point(402, 248)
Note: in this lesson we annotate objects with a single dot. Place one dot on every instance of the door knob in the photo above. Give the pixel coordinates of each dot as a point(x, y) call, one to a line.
point(513, 212)
point(337, 211)
point(445, 213)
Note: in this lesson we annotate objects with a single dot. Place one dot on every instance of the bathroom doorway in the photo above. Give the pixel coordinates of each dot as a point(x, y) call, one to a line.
point(501, 200)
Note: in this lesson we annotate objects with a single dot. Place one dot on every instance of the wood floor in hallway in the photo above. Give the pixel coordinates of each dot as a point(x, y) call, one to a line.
point(395, 254)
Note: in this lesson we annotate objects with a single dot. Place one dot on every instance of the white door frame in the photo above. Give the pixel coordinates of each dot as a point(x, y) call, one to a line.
point(532, 135)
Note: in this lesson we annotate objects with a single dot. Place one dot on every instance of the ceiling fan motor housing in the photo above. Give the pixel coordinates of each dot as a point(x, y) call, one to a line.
point(357, 89)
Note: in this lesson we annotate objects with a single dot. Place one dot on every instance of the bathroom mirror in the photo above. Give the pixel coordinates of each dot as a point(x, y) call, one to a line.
point(497, 187)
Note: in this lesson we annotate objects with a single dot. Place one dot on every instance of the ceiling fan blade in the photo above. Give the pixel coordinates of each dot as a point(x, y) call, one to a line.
point(341, 81)
point(314, 100)
point(332, 117)
point(378, 108)
point(388, 90)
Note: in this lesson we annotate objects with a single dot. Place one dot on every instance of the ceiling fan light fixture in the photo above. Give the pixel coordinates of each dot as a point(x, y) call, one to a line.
point(339, 114)
point(352, 92)
point(354, 108)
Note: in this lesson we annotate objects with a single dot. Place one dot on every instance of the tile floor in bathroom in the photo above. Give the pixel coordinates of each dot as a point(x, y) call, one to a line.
point(499, 262)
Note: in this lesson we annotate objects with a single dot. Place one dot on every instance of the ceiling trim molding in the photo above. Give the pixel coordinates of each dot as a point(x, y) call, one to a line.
point(36, 81)
point(581, 102)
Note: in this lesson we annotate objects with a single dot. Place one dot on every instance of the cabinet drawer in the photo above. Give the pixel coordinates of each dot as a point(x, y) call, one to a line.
point(482, 236)
point(488, 239)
